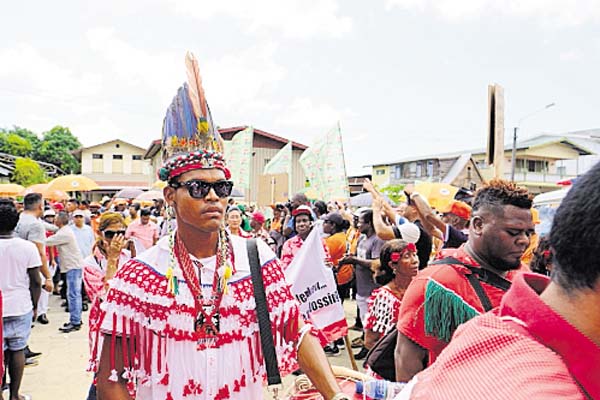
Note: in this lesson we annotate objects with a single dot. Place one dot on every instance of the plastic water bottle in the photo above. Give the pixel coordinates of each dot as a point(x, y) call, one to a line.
point(379, 389)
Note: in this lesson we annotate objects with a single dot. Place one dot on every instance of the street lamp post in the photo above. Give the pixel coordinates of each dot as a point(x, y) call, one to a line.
point(514, 144)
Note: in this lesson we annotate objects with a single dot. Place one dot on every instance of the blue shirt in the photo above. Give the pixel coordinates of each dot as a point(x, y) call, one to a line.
point(85, 239)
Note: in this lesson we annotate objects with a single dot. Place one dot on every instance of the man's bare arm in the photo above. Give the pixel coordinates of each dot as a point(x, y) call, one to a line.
point(383, 231)
point(314, 364)
point(409, 358)
point(106, 389)
point(35, 286)
point(48, 285)
point(431, 222)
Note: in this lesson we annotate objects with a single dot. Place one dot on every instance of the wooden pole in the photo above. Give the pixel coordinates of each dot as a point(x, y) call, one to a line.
point(350, 354)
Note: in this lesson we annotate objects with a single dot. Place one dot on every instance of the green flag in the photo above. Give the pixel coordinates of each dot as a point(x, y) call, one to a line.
point(324, 166)
point(281, 163)
point(239, 157)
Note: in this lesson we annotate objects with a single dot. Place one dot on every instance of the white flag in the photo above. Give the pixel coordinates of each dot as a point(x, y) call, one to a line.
point(314, 286)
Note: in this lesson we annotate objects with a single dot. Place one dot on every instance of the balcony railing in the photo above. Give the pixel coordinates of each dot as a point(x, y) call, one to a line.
point(526, 176)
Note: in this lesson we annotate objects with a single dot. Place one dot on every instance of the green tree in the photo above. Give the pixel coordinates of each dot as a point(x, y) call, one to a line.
point(394, 192)
point(27, 172)
point(56, 147)
point(15, 145)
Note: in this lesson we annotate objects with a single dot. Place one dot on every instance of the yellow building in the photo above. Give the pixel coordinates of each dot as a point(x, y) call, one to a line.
point(114, 165)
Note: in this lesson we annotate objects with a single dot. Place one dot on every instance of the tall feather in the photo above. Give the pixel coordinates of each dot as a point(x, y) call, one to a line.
point(195, 86)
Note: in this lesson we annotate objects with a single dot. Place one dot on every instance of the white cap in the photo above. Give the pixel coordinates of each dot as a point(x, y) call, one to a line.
point(49, 213)
point(409, 232)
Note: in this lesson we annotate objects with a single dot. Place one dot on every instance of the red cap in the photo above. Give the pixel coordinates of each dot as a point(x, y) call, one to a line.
point(302, 210)
point(460, 209)
point(258, 217)
point(58, 206)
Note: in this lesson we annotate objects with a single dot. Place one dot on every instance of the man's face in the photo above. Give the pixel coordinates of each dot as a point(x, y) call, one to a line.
point(49, 219)
point(132, 211)
point(204, 215)
point(145, 219)
point(254, 224)
point(503, 238)
point(362, 226)
point(327, 227)
point(71, 206)
point(296, 202)
point(120, 207)
point(78, 220)
point(303, 224)
point(234, 219)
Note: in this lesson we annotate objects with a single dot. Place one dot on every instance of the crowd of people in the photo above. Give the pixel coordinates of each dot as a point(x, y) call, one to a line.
point(189, 299)
point(411, 269)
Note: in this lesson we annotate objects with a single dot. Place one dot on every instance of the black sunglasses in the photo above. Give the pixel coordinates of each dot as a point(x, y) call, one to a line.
point(112, 234)
point(199, 189)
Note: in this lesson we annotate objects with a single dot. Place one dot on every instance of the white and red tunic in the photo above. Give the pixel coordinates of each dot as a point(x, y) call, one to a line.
point(384, 307)
point(168, 362)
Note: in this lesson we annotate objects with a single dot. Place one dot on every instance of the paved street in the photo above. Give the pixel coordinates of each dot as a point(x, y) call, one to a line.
point(61, 374)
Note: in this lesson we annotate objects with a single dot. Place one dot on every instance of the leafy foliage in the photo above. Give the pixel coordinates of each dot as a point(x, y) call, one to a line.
point(14, 144)
point(28, 172)
point(56, 148)
point(394, 192)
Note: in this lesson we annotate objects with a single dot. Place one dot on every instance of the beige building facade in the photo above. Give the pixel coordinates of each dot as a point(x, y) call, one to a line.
point(115, 165)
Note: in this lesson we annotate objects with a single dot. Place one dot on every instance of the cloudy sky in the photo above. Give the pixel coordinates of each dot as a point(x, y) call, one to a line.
point(403, 77)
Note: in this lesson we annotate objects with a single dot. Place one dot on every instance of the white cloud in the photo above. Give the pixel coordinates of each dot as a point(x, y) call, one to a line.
point(133, 66)
point(240, 78)
point(294, 18)
point(26, 71)
point(549, 13)
point(571, 55)
point(305, 113)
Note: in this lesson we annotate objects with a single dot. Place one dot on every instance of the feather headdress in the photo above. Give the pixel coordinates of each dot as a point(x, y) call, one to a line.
point(190, 139)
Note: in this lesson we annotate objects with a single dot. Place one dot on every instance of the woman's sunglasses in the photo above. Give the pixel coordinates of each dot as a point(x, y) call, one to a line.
point(199, 189)
point(112, 234)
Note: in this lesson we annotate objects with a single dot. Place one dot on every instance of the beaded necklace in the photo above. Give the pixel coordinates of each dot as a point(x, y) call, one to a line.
point(206, 324)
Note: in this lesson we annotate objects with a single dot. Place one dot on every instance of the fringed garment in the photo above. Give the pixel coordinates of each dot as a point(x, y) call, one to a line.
point(164, 358)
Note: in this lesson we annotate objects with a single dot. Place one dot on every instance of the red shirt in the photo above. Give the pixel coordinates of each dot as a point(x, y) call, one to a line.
point(522, 350)
point(439, 299)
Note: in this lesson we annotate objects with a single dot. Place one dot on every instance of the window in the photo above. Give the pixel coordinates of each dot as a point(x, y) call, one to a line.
point(430, 168)
point(380, 172)
point(117, 163)
point(419, 170)
point(536, 166)
point(136, 164)
point(397, 171)
point(97, 163)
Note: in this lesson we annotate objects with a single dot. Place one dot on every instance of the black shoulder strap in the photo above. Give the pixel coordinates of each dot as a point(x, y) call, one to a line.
point(479, 274)
point(262, 314)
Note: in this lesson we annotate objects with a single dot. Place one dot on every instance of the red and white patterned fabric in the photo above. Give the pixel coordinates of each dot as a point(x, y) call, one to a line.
point(522, 350)
point(383, 310)
point(168, 362)
point(94, 280)
point(292, 246)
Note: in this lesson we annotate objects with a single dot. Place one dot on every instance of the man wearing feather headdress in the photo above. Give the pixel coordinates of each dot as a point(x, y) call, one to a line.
point(180, 321)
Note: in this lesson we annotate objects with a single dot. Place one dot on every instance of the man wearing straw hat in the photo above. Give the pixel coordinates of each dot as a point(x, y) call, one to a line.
point(180, 321)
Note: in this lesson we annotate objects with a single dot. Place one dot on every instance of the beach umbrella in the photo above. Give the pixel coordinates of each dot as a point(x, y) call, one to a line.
point(439, 195)
point(128, 193)
point(73, 183)
point(42, 188)
point(150, 195)
point(159, 185)
point(237, 193)
point(10, 189)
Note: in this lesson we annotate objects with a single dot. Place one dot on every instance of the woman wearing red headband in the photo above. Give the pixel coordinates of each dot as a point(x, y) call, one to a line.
point(399, 264)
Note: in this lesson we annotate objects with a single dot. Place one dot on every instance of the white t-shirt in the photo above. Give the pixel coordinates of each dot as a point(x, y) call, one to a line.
point(17, 257)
